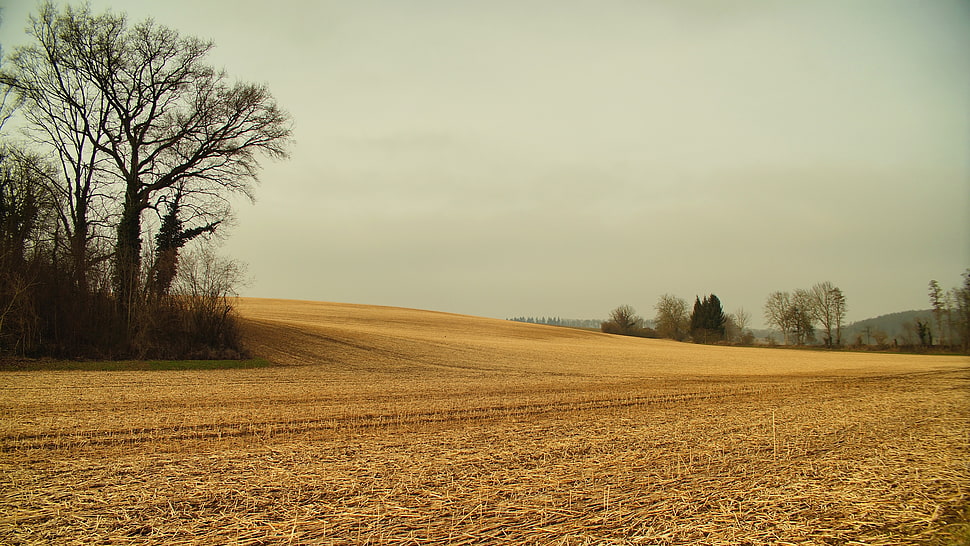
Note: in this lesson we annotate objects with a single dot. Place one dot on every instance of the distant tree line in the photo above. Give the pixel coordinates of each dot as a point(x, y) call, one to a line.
point(705, 322)
point(803, 317)
point(559, 321)
point(796, 315)
point(128, 150)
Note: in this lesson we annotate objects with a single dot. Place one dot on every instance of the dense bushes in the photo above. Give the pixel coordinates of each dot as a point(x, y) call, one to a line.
point(45, 310)
point(44, 314)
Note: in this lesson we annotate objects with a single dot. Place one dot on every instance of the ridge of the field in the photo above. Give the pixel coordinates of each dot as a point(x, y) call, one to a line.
point(355, 336)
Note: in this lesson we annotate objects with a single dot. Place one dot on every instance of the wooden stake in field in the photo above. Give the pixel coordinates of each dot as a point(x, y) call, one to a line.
point(774, 436)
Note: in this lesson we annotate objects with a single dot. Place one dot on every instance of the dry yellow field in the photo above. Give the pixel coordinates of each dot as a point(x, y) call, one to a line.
point(396, 426)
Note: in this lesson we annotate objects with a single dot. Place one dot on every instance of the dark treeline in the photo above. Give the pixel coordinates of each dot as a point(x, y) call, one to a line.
point(115, 185)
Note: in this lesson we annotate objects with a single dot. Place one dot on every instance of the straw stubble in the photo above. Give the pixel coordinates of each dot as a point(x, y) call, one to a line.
point(403, 427)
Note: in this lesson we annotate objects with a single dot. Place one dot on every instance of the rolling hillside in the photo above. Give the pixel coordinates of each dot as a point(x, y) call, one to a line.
point(892, 324)
point(348, 336)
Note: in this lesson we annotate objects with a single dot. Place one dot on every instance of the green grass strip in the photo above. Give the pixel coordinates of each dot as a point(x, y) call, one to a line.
point(132, 365)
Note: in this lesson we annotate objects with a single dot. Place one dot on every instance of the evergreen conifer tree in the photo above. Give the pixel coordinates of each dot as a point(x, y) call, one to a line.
point(707, 322)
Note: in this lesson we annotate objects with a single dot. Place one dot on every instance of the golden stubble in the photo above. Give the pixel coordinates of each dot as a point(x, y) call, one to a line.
point(396, 426)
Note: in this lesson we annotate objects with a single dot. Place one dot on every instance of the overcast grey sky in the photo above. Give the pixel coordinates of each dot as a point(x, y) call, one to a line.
point(562, 158)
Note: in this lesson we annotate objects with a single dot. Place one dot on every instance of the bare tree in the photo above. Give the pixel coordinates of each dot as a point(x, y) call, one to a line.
point(623, 320)
point(26, 204)
point(207, 285)
point(154, 117)
point(801, 317)
point(741, 320)
point(7, 84)
point(961, 298)
point(838, 301)
point(66, 112)
point(938, 299)
point(26, 214)
point(778, 313)
point(825, 303)
point(790, 313)
point(673, 317)
point(907, 333)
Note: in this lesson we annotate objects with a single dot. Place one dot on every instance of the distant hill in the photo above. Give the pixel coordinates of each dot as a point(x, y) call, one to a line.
point(892, 324)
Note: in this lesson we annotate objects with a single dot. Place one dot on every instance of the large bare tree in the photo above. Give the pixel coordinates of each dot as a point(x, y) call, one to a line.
point(741, 319)
point(65, 113)
point(789, 312)
point(826, 304)
point(673, 317)
point(778, 313)
point(155, 122)
point(623, 320)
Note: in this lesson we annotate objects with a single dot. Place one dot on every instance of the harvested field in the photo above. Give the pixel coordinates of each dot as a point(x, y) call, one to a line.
point(395, 426)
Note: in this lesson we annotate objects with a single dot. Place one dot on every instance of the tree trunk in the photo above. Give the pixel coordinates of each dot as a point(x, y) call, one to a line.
point(79, 250)
point(128, 256)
